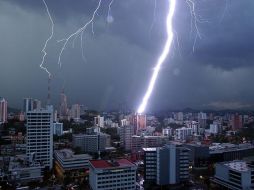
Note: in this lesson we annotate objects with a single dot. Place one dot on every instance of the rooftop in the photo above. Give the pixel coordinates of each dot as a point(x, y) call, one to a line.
point(227, 147)
point(149, 149)
point(107, 164)
point(237, 165)
point(67, 154)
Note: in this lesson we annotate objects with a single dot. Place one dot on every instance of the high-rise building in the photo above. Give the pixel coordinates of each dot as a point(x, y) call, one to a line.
point(167, 165)
point(58, 129)
point(63, 108)
point(27, 105)
point(3, 110)
point(114, 174)
point(55, 117)
point(125, 122)
point(75, 112)
point(193, 125)
point(179, 116)
point(99, 121)
point(91, 142)
point(31, 104)
point(236, 122)
point(215, 128)
point(167, 132)
point(36, 104)
point(183, 133)
point(40, 136)
point(126, 133)
point(139, 122)
point(202, 119)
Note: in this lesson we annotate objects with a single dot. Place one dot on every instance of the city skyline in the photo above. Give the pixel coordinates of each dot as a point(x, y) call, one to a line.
point(215, 75)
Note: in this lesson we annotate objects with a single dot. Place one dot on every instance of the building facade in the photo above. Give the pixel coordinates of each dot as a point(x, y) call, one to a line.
point(139, 122)
point(167, 165)
point(58, 129)
point(140, 142)
point(40, 136)
point(126, 133)
point(99, 121)
point(75, 112)
point(91, 142)
point(183, 133)
point(112, 175)
point(234, 175)
point(30, 104)
point(63, 107)
point(68, 163)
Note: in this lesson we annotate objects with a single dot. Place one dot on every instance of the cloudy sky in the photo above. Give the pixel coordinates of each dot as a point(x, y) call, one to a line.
point(120, 54)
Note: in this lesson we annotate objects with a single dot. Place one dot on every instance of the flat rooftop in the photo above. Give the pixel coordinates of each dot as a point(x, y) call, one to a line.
point(149, 149)
point(107, 164)
point(237, 165)
point(228, 147)
point(67, 154)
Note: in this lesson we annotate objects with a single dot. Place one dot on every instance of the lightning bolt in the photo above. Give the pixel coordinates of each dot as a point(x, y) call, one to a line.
point(46, 42)
point(162, 57)
point(154, 16)
point(195, 19)
point(79, 32)
point(109, 9)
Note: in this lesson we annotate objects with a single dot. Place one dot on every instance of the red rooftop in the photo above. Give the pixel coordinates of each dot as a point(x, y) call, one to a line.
point(111, 163)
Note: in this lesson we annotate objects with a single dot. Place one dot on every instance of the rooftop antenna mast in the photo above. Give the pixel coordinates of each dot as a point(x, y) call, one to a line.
point(49, 90)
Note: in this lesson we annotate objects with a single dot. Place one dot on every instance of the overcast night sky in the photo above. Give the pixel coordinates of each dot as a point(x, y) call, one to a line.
point(120, 55)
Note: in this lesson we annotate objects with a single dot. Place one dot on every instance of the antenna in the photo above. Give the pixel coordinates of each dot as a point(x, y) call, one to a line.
point(49, 92)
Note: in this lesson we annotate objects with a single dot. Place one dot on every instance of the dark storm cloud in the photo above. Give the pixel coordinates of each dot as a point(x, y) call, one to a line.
point(228, 43)
point(121, 55)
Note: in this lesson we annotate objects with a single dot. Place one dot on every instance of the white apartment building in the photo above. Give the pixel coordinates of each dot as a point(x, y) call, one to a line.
point(214, 128)
point(183, 133)
point(112, 175)
point(167, 132)
point(99, 121)
point(40, 136)
point(194, 125)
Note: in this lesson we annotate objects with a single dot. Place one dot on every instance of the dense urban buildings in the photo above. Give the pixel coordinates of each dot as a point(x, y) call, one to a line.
point(174, 150)
point(112, 174)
